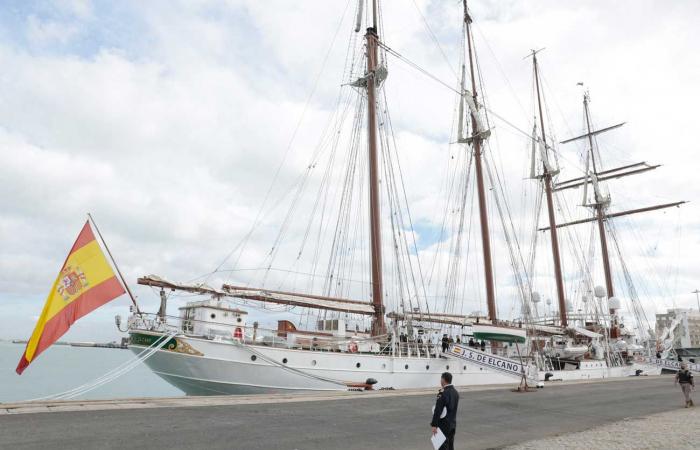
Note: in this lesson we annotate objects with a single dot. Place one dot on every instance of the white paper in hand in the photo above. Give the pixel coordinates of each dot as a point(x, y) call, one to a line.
point(438, 439)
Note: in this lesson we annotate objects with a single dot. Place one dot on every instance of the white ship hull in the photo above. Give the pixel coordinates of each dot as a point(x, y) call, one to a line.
point(227, 368)
point(207, 367)
point(599, 370)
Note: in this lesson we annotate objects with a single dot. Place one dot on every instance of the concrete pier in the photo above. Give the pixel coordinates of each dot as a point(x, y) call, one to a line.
point(488, 418)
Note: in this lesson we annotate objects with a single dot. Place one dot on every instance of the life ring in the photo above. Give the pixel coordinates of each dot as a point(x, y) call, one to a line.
point(352, 347)
point(238, 333)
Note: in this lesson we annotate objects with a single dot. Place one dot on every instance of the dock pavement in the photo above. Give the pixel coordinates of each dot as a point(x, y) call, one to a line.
point(489, 417)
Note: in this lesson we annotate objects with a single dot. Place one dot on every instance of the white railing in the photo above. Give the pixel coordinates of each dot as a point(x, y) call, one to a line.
point(247, 334)
point(219, 331)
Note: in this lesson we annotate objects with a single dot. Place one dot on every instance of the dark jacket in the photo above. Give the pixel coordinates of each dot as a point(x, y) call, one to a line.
point(684, 376)
point(446, 398)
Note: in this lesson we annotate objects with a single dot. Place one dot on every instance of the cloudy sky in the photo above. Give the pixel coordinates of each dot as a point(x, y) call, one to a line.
point(168, 121)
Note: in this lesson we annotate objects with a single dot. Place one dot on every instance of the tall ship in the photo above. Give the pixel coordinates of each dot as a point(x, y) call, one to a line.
point(374, 309)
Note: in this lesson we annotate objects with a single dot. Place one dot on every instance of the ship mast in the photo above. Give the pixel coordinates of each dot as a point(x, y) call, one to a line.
point(599, 206)
point(547, 180)
point(601, 201)
point(477, 141)
point(372, 39)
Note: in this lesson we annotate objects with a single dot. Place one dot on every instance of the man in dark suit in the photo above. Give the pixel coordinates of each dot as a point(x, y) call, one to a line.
point(445, 413)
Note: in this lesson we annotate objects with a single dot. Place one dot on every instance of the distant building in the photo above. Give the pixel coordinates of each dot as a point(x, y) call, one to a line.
point(686, 335)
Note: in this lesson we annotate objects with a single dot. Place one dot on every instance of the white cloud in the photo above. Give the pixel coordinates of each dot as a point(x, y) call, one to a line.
point(173, 144)
point(49, 31)
point(81, 9)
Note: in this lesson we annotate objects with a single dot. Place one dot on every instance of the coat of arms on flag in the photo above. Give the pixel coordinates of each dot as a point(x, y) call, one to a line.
point(73, 280)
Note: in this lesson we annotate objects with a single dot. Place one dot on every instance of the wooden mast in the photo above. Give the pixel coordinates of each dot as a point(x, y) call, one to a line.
point(547, 179)
point(481, 191)
point(372, 38)
point(599, 208)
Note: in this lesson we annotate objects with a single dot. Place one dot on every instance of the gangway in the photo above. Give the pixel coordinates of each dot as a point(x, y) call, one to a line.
point(669, 364)
point(525, 372)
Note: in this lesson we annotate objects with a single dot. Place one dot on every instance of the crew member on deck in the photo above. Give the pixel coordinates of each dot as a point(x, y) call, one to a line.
point(445, 343)
point(445, 411)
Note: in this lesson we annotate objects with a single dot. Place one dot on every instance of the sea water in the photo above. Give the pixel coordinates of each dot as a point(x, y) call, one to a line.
point(62, 367)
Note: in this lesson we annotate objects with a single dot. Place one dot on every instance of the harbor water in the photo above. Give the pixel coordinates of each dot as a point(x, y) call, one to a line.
point(62, 367)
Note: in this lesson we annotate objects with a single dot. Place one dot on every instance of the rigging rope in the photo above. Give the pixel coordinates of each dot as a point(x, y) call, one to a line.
point(415, 66)
point(435, 40)
point(258, 217)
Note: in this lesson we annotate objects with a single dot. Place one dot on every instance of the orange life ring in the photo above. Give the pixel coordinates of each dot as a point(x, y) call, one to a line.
point(352, 347)
point(238, 333)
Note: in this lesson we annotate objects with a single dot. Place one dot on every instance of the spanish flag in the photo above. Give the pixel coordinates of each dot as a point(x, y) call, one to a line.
point(86, 282)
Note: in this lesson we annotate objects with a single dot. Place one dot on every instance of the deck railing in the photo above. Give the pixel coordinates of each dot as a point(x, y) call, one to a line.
point(234, 333)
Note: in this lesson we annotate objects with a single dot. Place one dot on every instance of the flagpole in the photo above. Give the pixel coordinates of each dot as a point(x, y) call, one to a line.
point(133, 299)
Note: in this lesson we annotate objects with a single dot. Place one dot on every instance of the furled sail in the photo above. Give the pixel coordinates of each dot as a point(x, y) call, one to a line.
point(265, 295)
point(448, 319)
point(295, 299)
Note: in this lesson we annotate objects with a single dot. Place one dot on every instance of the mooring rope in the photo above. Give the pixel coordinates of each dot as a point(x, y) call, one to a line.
point(112, 374)
point(290, 369)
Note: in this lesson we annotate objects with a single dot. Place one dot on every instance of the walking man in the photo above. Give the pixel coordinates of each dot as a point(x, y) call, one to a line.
point(685, 378)
point(445, 412)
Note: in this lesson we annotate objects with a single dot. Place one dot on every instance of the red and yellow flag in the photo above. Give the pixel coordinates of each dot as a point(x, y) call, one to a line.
point(86, 282)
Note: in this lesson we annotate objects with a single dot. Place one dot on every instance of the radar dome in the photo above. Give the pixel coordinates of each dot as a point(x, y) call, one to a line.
point(614, 303)
point(600, 292)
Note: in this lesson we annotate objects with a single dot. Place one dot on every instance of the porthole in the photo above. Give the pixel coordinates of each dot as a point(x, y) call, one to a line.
point(427, 367)
point(406, 367)
point(238, 320)
point(481, 368)
point(383, 366)
point(357, 365)
point(447, 367)
point(313, 362)
point(213, 316)
point(284, 361)
point(253, 358)
point(464, 368)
